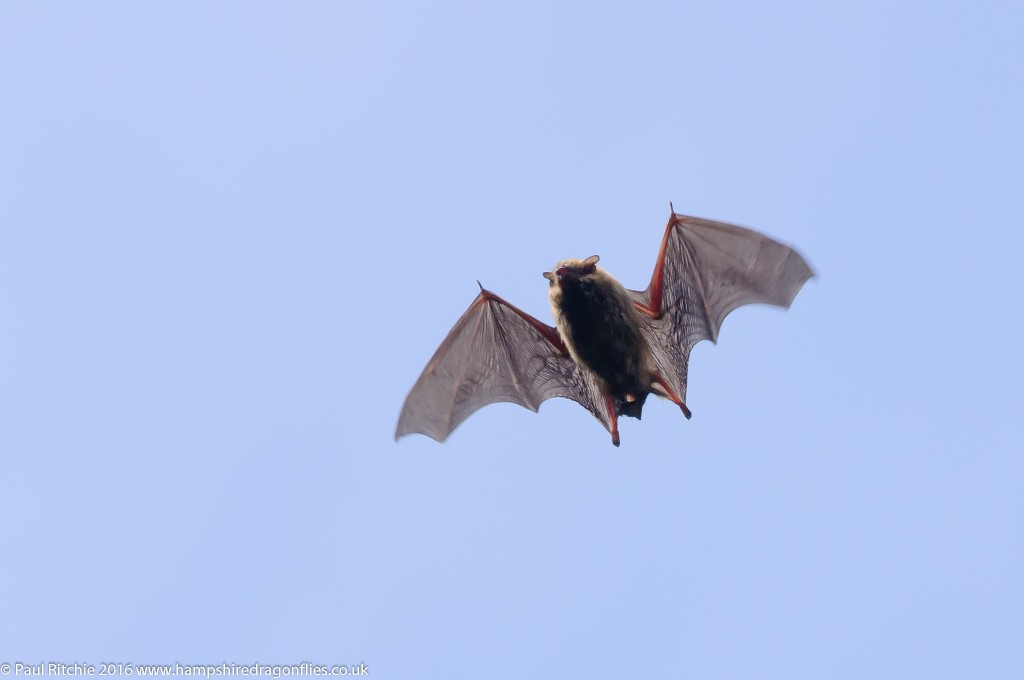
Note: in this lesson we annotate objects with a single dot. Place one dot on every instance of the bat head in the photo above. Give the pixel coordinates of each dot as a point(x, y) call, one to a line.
point(572, 270)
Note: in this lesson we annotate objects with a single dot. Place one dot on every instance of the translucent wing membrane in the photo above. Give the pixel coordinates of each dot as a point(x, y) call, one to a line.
point(706, 269)
point(495, 352)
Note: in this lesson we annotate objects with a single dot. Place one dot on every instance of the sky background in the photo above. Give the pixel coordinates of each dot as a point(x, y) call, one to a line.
point(232, 234)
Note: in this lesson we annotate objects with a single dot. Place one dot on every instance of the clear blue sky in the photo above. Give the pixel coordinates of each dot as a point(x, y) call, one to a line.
point(232, 234)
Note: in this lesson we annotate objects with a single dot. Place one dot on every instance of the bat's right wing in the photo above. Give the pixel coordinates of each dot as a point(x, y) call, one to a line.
point(495, 352)
point(705, 270)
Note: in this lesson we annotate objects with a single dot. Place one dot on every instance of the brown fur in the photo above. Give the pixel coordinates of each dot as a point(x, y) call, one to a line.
point(601, 329)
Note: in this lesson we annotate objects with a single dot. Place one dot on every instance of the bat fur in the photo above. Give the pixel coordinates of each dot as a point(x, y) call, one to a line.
point(600, 327)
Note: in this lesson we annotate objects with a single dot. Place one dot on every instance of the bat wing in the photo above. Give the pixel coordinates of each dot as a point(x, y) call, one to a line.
point(495, 352)
point(706, 269)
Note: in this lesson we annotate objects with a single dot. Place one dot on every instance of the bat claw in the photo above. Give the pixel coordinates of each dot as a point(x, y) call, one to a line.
point(615, 438)
point(686, 411)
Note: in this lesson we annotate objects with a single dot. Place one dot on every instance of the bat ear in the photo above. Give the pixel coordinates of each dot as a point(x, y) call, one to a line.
point(549, 276)
point(593, 259)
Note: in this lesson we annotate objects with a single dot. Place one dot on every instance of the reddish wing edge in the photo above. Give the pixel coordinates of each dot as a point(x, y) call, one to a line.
point(495, 352)
point(546, 331)
point(652, 307)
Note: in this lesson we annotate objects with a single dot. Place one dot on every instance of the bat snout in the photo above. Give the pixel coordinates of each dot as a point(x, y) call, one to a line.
point(572, 270)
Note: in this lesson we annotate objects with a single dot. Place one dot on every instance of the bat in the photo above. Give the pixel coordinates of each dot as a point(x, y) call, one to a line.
point(610, 347)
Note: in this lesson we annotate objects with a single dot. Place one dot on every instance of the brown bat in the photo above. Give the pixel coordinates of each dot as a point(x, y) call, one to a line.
point(611, 347)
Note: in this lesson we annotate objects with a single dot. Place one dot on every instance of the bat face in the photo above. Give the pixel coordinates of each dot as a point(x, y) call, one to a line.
point(611, 347)
point(572, 270)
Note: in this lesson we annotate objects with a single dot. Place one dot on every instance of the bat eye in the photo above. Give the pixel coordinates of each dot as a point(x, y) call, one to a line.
point(561, 271)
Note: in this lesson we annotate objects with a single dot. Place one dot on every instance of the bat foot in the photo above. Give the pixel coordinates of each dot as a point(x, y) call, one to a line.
point(672, 396)
point(613, 420)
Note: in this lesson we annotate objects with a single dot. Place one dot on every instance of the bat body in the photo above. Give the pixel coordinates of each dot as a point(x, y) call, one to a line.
point(611, 347)
point(601, 329)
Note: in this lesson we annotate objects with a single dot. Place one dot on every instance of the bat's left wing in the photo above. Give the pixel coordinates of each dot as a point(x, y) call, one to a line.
point(705, 270)
point(495, 352)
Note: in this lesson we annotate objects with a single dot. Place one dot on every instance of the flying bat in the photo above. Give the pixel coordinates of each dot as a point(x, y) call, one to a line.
point(610, 347)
